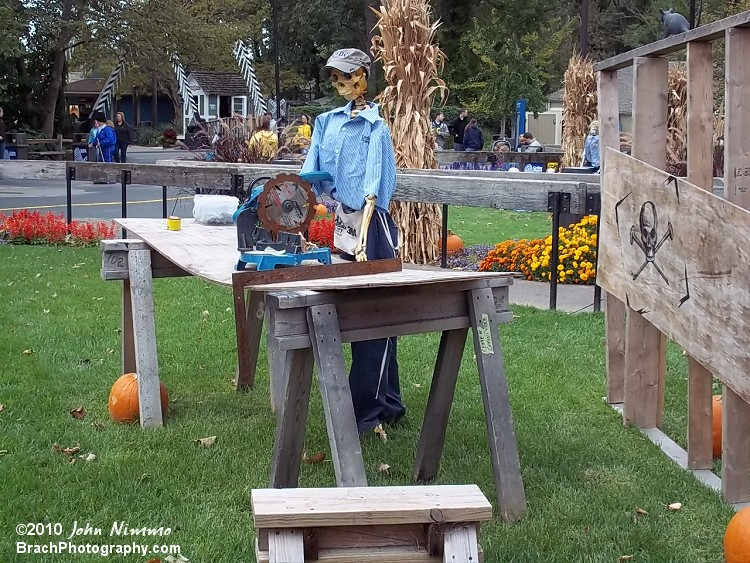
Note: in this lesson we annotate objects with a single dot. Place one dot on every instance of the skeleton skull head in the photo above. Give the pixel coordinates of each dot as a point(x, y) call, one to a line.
point(648, 224)
point(349, 86)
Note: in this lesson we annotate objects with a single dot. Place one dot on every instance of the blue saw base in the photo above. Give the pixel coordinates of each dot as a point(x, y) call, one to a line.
point(270, 261)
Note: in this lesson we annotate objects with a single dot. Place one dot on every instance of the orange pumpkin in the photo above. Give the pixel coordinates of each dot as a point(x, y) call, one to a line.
point(123, 399)
point(454, 243)
point(321, 210)
point(737, 538)
point(716, 408)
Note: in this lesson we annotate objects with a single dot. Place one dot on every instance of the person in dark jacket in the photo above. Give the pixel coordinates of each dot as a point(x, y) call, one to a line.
point(124, 137)
point(106, 138)
point(457, 126)
point(473, 139)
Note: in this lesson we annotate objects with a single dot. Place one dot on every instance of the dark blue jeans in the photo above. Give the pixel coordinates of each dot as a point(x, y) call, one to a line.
point(2, 149)
point(458, 147)
point(373, 379)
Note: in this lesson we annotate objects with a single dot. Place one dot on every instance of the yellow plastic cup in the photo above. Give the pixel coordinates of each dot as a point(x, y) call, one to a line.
point(174, 223)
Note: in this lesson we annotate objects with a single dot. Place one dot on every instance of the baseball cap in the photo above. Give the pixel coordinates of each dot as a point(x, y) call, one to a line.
point(347, 60)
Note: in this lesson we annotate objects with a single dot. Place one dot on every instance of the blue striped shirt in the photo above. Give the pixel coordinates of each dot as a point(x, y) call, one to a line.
point(357, 153)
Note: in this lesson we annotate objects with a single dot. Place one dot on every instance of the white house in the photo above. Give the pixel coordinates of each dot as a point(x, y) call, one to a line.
point(218, 94)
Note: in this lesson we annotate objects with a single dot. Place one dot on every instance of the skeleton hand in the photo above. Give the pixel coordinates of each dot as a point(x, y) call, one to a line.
point(360, 252)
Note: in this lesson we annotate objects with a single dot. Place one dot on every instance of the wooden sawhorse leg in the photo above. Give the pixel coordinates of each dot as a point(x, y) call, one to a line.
point(432, 438)
point(248, 317)
point(144, 337)
point(127, 340)
point(286, 546)
point(501, 434)
point(346, 451)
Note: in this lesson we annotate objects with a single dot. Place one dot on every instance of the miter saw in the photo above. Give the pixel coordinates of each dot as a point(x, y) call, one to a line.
point(271, 222)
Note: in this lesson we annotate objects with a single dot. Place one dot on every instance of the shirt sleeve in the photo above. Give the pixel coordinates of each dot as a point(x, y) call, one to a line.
point(380, 175)
point(312, 160)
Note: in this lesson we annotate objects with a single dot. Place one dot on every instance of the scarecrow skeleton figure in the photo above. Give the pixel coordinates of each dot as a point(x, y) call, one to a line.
point(353, 145)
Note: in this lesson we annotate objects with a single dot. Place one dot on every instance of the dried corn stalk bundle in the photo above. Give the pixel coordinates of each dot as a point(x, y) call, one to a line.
point(411, 63)
point(579, 107)
point(677, 120)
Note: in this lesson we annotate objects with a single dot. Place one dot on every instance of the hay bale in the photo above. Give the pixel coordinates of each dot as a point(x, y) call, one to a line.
point(580, 101)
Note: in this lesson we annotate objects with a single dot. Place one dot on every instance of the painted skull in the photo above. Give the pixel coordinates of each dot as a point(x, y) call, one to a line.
point(648, 224)
point(349, 86)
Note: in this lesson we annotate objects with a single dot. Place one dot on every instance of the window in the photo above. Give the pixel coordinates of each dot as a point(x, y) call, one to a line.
point(238, 105)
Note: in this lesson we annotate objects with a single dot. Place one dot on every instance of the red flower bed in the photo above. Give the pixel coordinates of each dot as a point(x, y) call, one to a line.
point(320, 232)
point(26, 227)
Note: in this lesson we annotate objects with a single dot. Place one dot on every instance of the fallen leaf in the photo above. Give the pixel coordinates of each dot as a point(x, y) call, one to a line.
point(178, 559)
point(28, 352)
point(675, 506)
point(54, 295)
point(87, 457)
point(2, 408)
point(317, 457)
point(154, 561)
point(641, 511)
point(144, 477)
point(39, 275)
point(383, 468)
point(45, 311)
point(67, 451)
point(3, 452)
point(98, 425)
point(78, 413)
point(417, 385)
point(624, 558)
point(380, 433)
point(206, 442)
point(205, 314)
point(229, 309)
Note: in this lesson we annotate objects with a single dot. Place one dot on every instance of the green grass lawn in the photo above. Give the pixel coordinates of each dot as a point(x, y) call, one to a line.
point(585, 474)
point(478, 225)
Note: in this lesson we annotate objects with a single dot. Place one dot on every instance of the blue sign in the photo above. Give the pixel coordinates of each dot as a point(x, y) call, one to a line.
point(520, 121)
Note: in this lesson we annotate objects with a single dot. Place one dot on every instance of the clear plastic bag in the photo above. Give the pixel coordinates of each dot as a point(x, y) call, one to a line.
point(214, 209)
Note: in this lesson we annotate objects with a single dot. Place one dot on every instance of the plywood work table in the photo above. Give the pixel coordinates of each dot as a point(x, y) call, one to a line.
point(307, 324)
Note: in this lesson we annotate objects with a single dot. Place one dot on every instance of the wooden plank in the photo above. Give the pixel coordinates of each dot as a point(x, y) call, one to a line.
point(349, 537)
point(700, 147)
point(735, 447)
point(248, 318)
point(346, 450)
point(645, 346)
point(708, 32)
point(335, 270)
point(736, 410)
point(409, 554)
point(614, 311)
point(461, 544)
point(367, 506)
point(278, 373)
point(501, 434)
point(736, 140)
point(290, 425)
point(147, 365)
point(127, 338)
point(286, 546)
point(707, 263)
point(442, 388)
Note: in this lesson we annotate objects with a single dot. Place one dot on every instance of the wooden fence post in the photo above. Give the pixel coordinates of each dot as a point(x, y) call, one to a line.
point(609, 136)
point(735, 479)
point(645, 358)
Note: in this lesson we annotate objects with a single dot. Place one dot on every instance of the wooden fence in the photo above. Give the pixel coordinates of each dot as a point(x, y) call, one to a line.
point(674, 258)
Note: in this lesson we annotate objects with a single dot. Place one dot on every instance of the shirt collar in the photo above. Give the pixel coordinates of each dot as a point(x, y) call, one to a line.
point(371, 114)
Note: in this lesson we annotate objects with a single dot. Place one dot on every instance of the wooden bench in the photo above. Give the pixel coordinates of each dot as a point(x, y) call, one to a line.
point(370, 524)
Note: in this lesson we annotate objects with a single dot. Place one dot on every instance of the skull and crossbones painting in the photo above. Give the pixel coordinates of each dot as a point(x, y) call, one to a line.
point(646, 239)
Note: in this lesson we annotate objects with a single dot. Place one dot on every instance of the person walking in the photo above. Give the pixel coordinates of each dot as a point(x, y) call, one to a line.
point(458, 126)
point(473, 138)
point(2, 135)
point(124, 134)
point(106, 138)
point(440, 130)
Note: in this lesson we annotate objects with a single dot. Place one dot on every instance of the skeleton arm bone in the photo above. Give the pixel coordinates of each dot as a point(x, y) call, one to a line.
point(360, 252)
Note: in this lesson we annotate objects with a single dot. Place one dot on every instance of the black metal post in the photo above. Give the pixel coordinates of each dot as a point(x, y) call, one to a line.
point(584, 38)
point(124, 181)
point(444, 240)
point(70, 175)
point(277, 58)
point(691, 18)
point(554, 198)
point(594, 206)
point(164, 201)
